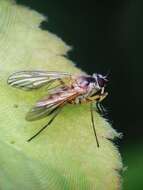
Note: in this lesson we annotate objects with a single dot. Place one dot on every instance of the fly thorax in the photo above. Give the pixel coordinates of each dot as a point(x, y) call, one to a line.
point(82, 83)
point(91, 89)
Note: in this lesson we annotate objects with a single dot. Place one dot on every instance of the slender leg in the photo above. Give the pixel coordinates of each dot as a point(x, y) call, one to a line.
point(93, 125)
point(45, 126)
point(103, 96)
point(101, 110)
point(97, 97)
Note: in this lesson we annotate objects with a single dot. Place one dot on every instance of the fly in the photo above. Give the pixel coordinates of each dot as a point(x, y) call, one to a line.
point(68, 89)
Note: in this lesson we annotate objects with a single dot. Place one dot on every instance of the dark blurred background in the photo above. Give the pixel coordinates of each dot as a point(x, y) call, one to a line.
point(107, 36)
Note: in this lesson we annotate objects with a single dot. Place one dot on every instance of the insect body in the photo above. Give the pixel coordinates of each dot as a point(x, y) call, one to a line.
point(72, 89)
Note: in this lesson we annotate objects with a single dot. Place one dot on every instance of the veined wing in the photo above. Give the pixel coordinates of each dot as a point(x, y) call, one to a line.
point(37, 112)
point(49, 105)
point(28, 80)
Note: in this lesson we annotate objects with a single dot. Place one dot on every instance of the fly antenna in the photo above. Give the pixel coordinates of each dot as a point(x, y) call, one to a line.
point(107, 74)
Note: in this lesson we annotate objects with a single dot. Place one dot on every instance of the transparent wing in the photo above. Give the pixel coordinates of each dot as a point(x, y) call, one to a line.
point(37, 113)
point(28, 80)
point(49, 105)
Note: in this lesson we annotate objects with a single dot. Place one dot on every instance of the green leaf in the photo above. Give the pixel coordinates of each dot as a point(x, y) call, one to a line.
point(64, 156)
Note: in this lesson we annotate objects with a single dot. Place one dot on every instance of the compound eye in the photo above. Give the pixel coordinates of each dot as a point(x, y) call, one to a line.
point(101, 81)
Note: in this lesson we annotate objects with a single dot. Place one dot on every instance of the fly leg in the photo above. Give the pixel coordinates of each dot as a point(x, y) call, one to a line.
point(98, 98)
point(93, 98)
point(93, 124)
point(99, 106)
point(45, 126)
point(100, 109)
point(103, 96)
